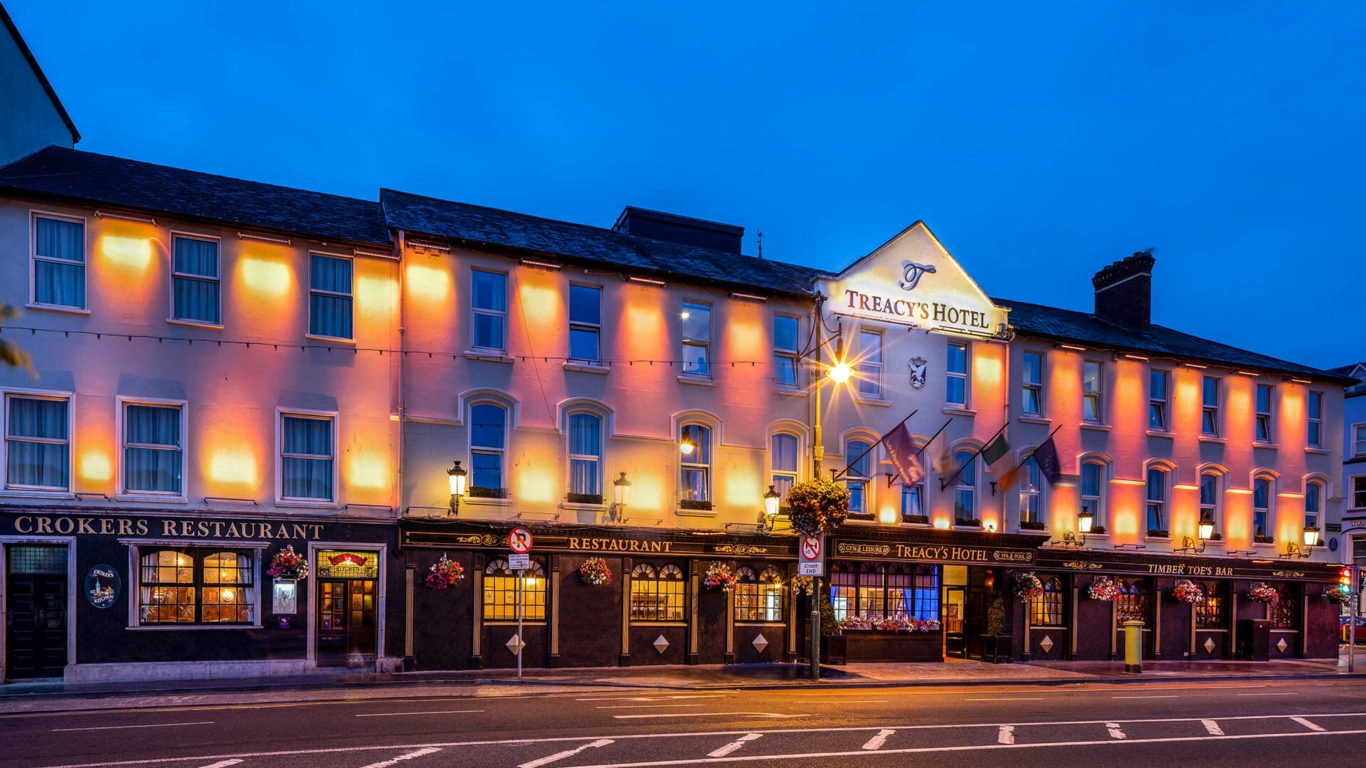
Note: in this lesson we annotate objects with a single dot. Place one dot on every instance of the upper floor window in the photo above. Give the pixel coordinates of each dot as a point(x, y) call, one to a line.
point(37, 443)
point(783, 458)
point(913, 503)
point(1030, 505)
point(585, 323)
point(696, 338)
point(759, 597)
point(196, 586)
point(194, 280)
point(870, 364)
point(329, 297)
point(500, 592)
point(1210, 497)
point(656, 593)
point(1358, 440)
point(153, 449)
point(1313, 503)
point(1157, 400)
point(1092, 409)
point(488, 447)
point(1209, 407)
point(59, 262)
point(1314, 412)
point(858, 469)
point(695, 466)
point(1093, 493)
point(956, 371)
point(1261, 505)
point(1264, 434)
point(489, 304)
point(585, 458)
point(1359, 492)
point(306, 457)
point(965, 495)
point(1031, 395)
point(785, 350)
point(1157, 501)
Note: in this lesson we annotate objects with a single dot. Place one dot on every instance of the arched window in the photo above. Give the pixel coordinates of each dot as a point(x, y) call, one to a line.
point(1286, 609)
point(488, 449)
point(1031, 503)
point(196, 586)
point(858, 462)
point(1046, 609)
point(500, 592)
point(1157, 501)
point(695, 462)
point(1132, 603)
point(585, 458)
point(1313, 503)
point(783, 463)
point(1211, 493)
point(758, 597)
point(656, 593)
point(965, 496)
point(1093, 493)
point(1261, 507)
point(1209, 612)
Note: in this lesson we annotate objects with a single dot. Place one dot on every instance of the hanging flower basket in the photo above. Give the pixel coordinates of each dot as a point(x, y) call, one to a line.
point(719, 576)
point(1338, 595)
point(1028, 586)
point(802, 585)
point(444, 574)
point(1188, 591)
point(288, 564)
point(1262, 592)
point(817, 506)
point(1103, 588)
point(594, 572)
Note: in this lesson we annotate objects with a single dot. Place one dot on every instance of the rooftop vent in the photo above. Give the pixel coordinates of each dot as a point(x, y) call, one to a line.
point(683, 230)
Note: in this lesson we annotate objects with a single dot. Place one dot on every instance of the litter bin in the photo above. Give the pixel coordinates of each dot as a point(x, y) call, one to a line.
point(1254, 639)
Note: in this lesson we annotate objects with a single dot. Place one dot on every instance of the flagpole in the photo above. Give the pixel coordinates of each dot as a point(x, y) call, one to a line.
point(945, 483)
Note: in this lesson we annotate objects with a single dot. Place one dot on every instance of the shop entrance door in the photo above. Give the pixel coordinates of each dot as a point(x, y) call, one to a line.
point(955, 605)
point(35, 612)
point(346, 622)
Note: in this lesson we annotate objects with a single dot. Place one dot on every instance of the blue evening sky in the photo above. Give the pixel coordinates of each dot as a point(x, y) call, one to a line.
point(1039, 141)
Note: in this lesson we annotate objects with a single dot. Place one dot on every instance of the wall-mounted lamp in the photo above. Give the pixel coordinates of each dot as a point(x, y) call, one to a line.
point(457, 476)
point(1084, 521)
point(770, 513)
point(621, 492)
point(1205, 529)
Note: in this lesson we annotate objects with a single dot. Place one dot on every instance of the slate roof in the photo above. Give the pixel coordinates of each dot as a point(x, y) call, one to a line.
point(86, 177)
point(1085, 329)
point(490, 228)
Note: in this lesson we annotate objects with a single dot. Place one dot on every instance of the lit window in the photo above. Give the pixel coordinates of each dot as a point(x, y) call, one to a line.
point(1314, 438)
point(196, 586)
point(858, 461)
point(1030, 505)
point(500, 592)
point(913, 503)
point(306, 457)
point(656, 594)
point(153, 449)
point(1209, 498)
point(965, 495)
point(585, 458)
point(488, 446)
point(1046, 609)
point(1092, 407)
point(59, 262)
point(759, 597)
point(695, 466)
point(1264, 413)
point(696, 339)
point(1209, 407)
point(1313, 503)
point(585, 323)
point(1261, 506)
point(1132, 603)
point(1157, 501)
point(489, 304)
point(37, 443)
point(1209, 612)
point(878, 591)
point(870, 364)
point(194, 280)
point(785, 350)
point(783, 457)
point(1093, 493)
point(1031, 395)
point(1157, 400)
point(956, 371)
point(329, 297)
point(1359, 440)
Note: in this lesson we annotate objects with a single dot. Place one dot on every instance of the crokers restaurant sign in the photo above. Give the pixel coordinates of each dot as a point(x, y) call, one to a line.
point(158, 528)
point(925, 553)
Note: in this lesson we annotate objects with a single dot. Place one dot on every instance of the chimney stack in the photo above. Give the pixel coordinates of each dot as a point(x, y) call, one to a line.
point(1124, 291)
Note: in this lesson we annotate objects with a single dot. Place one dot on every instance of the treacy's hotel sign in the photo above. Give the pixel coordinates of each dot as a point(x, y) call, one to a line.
point(912, 280)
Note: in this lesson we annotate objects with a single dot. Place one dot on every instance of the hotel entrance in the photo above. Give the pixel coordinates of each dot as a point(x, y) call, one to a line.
point(347, 618)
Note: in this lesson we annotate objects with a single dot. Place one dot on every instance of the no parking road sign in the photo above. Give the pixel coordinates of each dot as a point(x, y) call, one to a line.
point(812, 556)
point(519, 540)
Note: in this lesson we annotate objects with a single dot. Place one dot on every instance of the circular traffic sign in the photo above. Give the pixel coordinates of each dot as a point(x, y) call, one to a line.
point(811, 547)
point(519, 540)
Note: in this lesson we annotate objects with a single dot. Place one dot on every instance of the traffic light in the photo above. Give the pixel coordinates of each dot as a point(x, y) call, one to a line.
point(1345, 580)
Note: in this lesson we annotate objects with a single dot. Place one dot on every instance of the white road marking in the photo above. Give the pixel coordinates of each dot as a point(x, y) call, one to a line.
point(409, 714)
point(1307, 724)
point(1007, 735)
point(1144, 697)
point(1115, 731)
point(654, 698)
point(567, 753)
point(705, 714)
point(648, 706)
point(877, 741)
point(223, 764)
point(121, 727)
point(401, 758)
point(1039, 698)
point(1285, 693)
point(1213, 728)
point(734, 745)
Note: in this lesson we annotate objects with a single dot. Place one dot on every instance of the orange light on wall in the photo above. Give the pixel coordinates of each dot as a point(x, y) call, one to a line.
point(366, 471)
point(428, 286)
point(237, 467)
point(986, 368)
point(534, 487)
point(644, 316)
point(376, 296)
point(133, 254)
point(95, 467)
point(541, 305)
point(267, 278)
point(941, 523)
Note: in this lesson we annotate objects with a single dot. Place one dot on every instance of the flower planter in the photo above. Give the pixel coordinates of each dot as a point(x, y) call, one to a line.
point(996, 648)
point(872, 645)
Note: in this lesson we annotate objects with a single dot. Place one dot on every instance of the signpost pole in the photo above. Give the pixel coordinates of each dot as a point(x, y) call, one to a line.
point(521, 643)
point(815, 624)
point(1352, 617)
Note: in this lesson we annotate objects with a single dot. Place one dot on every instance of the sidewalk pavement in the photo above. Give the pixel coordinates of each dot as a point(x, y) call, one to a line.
point(53, 696)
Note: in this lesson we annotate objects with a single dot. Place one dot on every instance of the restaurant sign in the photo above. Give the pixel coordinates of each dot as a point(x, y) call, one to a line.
point(608, 544)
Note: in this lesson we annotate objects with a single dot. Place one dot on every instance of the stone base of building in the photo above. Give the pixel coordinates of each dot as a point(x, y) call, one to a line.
point(211, 670)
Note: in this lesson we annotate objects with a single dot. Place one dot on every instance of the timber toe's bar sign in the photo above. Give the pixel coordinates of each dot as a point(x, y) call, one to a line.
point(102, 586)
point(812, 563)
point(519, 540)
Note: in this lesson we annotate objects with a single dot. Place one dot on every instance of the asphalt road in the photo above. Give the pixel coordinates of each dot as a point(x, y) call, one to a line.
point(1211, 724)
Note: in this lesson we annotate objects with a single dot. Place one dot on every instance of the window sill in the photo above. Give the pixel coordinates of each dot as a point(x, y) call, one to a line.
point(790, 392)
point(306, 504)
point(484, 501)
point(1266, 446)
point(1213, 439)
point(571, 506)
point(706, 513)
point(151, 498)
point(38, 494)
point(194, 323)
point(1161, 433)
point(952, 411)
point(488, 356)
point(1095, 427)
point(184, 626)
point(601, 370)
point(330, 339)
point(1035, 420)
point(59, 308)
point(861, 400)
point(696, 381)
point(1318, 451)
point(660, 623)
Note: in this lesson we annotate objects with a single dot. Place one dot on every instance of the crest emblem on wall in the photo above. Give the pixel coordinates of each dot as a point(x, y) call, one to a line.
point(918, 372)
